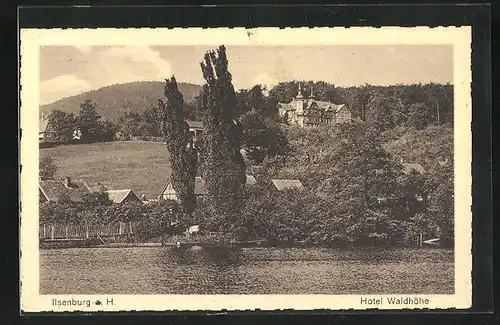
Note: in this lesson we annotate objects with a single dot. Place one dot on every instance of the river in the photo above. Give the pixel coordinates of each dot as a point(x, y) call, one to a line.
point(162, 270)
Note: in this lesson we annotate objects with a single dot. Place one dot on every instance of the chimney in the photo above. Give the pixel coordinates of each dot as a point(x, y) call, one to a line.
point(67, 181)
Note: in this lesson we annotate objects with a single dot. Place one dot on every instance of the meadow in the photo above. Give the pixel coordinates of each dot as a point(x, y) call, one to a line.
point(138, 165)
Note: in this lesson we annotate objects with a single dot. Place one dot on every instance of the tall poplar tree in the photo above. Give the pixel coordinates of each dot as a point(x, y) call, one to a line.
point(224, 167)
point(182, 154)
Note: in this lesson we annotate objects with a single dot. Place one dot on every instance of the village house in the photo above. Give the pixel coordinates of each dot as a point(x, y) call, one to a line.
point(45, 134)
point(303, 111)
point(168, 192)
point(200, 190)
point(53, 190)
point(117, 196)
point(196, 129)
point(286, 184)
point(123, 196)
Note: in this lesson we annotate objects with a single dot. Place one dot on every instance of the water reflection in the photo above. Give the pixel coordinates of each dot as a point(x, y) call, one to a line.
point(215, 256)
point(202, 270)
point(164, 270)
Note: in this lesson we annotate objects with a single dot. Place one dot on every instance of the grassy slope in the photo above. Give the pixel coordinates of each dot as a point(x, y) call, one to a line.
point(141, 166)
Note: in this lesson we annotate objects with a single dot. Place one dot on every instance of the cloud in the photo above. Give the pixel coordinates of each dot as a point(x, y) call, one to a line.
point(61, 86)
point(161, 68)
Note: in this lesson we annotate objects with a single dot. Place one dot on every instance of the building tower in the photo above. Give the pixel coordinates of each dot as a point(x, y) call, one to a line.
point(299, 99)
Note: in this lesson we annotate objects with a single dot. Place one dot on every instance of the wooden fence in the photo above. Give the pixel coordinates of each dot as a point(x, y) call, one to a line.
point(67, 231)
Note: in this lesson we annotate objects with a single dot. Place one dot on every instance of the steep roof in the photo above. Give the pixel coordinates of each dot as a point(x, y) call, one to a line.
point(327, 106)
point(118, 196)
point(409, 167)
point(286, 106)
point(251, 180)
point(56, 190)
point(195, 124)
point(284, 184)
point(42, 125)
point(322, 105)
point(199, 186)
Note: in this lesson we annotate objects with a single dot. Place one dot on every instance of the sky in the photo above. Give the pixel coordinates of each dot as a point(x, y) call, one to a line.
point(69, 70)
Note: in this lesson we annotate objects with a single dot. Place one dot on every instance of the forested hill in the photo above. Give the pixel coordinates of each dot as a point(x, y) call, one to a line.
point(113, 101)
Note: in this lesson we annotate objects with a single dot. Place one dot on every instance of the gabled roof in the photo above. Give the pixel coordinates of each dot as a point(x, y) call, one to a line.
point(409, 167)
point(195, 124)
point(56, 190)
point(284, 184)
point(42, 125)
point(251, 180)
point(322, 105)
point(326, 106)
point(286, 106)
point(199, 186)
point(118, 196)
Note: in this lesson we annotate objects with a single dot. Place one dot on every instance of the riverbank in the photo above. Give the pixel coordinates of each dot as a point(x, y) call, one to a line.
point(203, 241)
point(172, 242)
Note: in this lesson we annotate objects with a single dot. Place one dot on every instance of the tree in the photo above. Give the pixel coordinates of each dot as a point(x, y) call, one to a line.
point(150, 124)
point(47, 168)
point(284, 92)
point(255, 136)
point(88, 119)
point(62, 124)
point(289, 216)
point(413, 197)
point(357, 99)
point(425, 146)
point(130, 124)
point(262, 137)
point(419, 116)
point(60, 212)
point(182, 154)
point(96, 199)
point(165, 217)
point(224, 164)
point(440, 186)
point(384, 112)
point(362, 185)
point(106, 131)
point(440, 98)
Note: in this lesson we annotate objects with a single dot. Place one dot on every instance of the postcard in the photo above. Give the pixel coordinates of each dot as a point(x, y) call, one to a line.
point(218, 169)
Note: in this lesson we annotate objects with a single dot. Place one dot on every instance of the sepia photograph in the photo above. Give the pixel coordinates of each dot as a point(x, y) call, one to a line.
point(320, 168)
